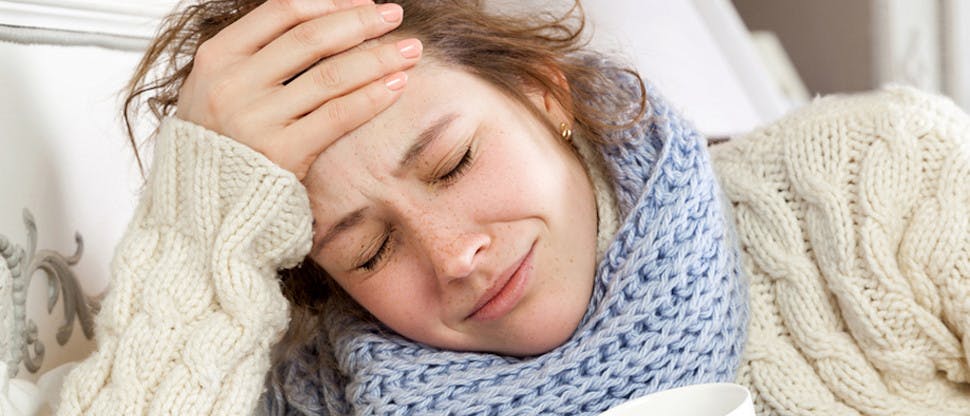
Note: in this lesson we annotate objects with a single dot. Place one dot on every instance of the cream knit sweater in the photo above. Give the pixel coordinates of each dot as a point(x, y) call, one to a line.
point(853, 215)
point(194, 304)
point(854, 220)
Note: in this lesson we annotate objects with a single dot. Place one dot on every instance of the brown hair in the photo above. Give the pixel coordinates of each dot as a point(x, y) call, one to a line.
point(510, 52)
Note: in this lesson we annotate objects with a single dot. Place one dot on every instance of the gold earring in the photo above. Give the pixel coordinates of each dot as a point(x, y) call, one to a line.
point(565, 132)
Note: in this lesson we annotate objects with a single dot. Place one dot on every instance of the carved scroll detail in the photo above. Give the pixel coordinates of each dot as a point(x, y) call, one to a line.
point(23, 343)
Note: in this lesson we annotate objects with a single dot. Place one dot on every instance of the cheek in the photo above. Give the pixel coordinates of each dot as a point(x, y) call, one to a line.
point(516, 181)
point(401, 295)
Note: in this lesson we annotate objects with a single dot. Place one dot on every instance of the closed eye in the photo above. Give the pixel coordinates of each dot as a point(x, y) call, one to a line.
point(446, 179)
point(382, 252)
point(458, 170)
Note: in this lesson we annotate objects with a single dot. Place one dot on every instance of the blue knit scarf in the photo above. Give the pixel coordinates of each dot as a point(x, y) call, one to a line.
point(669, 308)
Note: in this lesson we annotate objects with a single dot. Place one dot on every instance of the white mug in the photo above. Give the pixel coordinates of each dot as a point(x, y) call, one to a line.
point(716, 399)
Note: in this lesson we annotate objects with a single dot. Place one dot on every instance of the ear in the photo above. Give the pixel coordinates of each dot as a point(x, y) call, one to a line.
point(543, 99)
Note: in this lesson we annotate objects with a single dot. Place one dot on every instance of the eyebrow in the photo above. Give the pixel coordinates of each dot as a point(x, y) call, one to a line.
point(428, 136)
point(420, 145)
point(348, 221)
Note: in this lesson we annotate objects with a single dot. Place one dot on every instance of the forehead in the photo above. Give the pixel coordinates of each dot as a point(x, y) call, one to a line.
point(363, 155)
point(432, 90)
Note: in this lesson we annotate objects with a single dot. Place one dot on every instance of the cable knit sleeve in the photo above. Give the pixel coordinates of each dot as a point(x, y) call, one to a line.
point(854, 219)
point(194, 304)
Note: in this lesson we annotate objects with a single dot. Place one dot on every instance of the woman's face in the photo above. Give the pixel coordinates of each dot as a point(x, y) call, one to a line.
point(457, 219)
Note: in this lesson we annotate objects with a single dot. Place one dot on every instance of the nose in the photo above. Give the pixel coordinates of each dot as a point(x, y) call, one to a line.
point(457, 257)
point(454, 253)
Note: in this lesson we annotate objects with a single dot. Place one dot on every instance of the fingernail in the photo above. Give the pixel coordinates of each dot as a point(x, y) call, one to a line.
point(396, 81)
point(390, 12)
point(410, 48)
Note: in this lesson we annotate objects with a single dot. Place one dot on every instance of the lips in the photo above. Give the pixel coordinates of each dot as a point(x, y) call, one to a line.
point(506, 291)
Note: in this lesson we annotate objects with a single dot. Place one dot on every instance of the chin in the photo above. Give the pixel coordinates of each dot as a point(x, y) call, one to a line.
point(547, 321)
point(541, 336)
point(541, 347)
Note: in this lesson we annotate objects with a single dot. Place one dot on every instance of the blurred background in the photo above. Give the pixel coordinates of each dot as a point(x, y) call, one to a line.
point(728, 65)
point(855, 45)
point(735, 64)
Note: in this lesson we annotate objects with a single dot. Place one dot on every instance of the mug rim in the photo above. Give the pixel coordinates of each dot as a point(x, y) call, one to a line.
point(740, 395)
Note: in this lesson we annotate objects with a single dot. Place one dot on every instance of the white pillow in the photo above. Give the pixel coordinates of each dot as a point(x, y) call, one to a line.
point(18, 397)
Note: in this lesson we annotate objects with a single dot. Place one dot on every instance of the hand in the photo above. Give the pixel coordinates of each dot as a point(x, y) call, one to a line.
point(238, 84)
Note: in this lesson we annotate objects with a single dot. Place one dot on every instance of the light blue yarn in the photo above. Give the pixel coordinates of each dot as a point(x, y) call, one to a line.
point(669, 309)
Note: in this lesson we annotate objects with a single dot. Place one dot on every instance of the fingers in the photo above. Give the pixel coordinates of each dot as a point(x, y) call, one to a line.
point(238, 84)
point(342, 115)
point(338, 76)
point(271, 19)
point(319, 38)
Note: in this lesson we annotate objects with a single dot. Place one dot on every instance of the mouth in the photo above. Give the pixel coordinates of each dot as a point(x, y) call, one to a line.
point(507, 290)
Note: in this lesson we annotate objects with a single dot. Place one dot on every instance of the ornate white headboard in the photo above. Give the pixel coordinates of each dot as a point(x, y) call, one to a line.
point(18, 265)
point(65, 168)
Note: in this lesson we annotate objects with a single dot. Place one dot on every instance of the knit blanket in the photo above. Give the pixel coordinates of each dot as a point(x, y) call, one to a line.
point(854, 220)
point(669, 308)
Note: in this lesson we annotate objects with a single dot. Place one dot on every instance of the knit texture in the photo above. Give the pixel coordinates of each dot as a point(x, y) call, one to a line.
point(194, 303)
point(668, 310)
point(854, 218)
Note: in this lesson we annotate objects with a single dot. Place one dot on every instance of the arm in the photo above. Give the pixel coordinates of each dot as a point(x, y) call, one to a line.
point(194, 304)
point(853, 217)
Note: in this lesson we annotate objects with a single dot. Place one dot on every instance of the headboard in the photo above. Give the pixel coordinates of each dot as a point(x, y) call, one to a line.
point(68, 180)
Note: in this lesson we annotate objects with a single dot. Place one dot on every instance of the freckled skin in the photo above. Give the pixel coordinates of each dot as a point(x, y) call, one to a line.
point(450, 243)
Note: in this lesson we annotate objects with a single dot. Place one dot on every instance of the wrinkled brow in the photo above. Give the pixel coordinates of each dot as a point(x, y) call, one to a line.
point(424, 140)
point(420, 145)
point(345, 223)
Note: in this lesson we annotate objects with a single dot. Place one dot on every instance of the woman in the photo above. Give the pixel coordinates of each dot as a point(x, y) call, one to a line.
point(479, 216)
